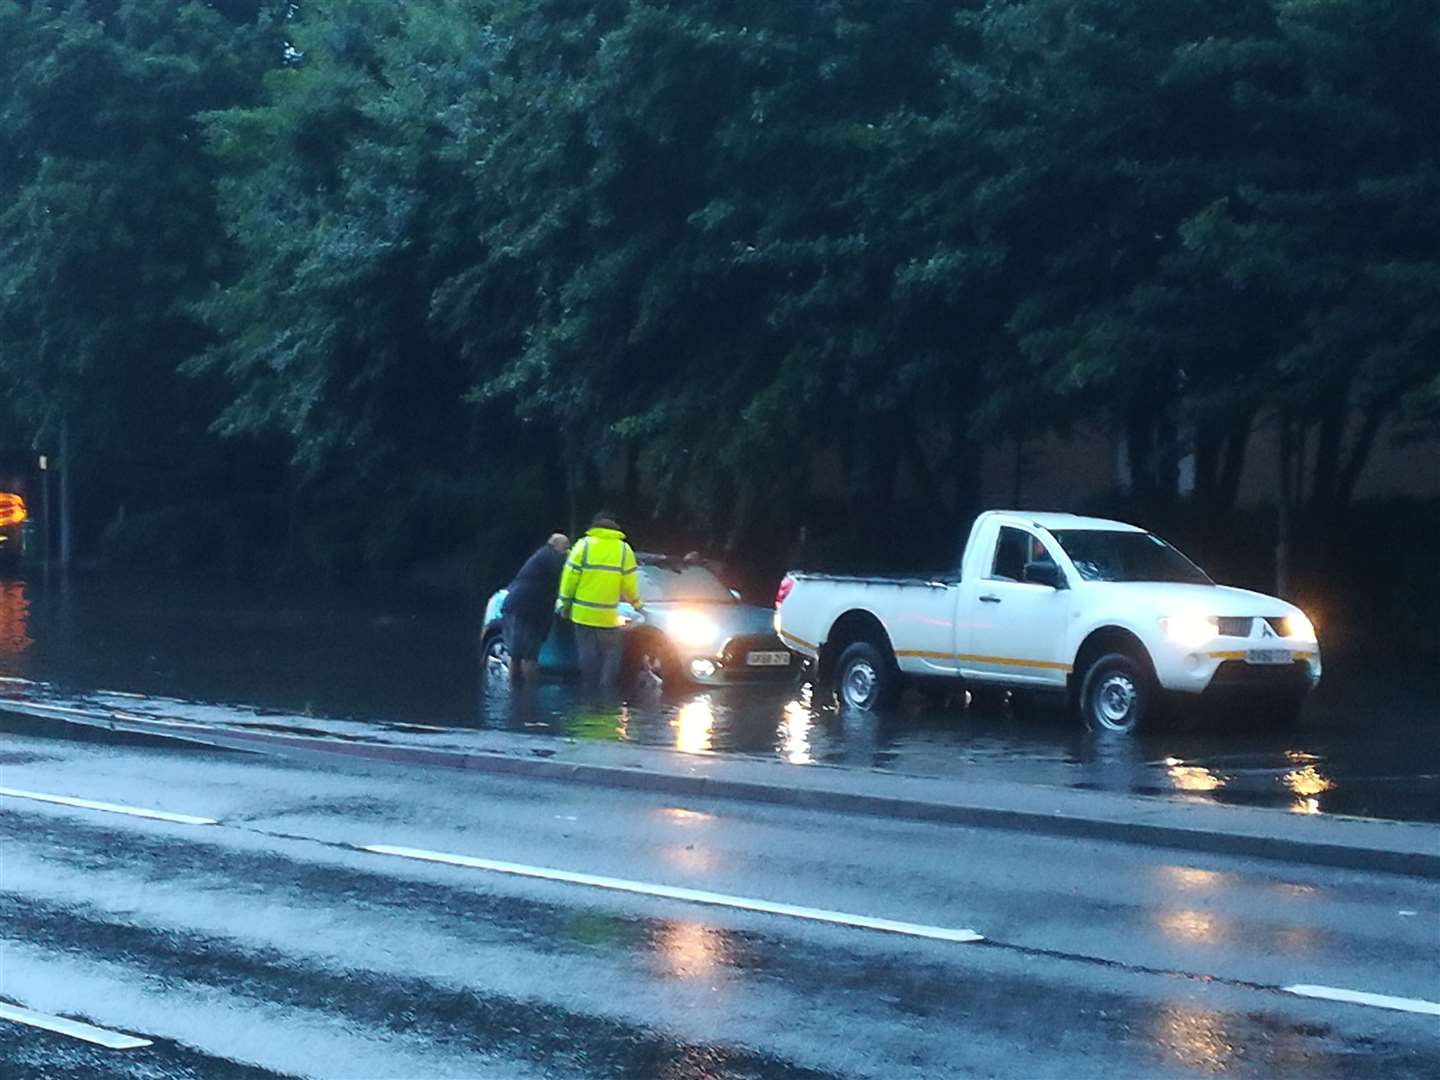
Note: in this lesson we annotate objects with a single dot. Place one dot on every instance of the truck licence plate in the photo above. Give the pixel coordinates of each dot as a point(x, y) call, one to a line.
point(1268, 656)
point(767, 659)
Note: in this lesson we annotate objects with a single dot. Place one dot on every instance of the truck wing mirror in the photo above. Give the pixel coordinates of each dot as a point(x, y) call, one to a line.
point(1045, 572)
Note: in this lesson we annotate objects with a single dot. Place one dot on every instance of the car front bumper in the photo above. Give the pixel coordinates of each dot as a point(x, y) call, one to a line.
point(730, 665)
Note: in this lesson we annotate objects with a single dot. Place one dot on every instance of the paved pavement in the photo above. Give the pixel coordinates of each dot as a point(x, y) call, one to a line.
point(278, 941)
point(1189, 824)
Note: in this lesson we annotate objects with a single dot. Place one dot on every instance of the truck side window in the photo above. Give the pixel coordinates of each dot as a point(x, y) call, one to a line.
point(1010, 552)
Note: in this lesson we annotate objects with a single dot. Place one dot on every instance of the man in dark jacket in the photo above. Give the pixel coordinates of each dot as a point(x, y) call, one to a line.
point(530, 605)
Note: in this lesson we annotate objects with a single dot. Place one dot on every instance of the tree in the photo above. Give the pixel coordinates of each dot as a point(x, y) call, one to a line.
point(107, 221)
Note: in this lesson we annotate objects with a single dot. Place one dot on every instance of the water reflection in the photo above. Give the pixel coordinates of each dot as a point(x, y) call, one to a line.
point(1190, 877)
point(693, 725)
point(15, 639)
point(1188, 925)
point(688, 950)
point(1195, 1038)
point(683, 816)
point(1306, 783)
point(1192, 778)
point(795, 734)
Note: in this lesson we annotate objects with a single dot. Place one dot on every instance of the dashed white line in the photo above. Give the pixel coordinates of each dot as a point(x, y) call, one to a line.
point(694, 896)
point(112, 1040)
point(109, 808)
point(1360, 997)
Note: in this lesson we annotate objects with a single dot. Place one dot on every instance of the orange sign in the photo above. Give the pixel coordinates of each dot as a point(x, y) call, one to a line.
point(12, 509)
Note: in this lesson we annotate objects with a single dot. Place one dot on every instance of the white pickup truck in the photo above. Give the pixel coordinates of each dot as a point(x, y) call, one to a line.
point(1103, 611)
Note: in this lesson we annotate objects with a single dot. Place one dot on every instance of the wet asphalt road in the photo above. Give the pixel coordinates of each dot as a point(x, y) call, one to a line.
point(269, 943)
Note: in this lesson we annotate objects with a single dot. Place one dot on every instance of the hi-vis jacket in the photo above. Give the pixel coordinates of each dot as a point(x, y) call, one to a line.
point(600, 572)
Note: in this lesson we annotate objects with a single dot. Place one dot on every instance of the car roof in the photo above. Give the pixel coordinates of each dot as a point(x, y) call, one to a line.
point(1052, 520)
point(672, 562)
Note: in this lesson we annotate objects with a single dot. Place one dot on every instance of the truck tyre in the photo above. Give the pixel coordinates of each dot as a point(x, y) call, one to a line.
point(865, 678)
point(1117, 695)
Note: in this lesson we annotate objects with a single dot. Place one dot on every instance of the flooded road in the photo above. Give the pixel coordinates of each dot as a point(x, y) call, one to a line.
point(1370, 744)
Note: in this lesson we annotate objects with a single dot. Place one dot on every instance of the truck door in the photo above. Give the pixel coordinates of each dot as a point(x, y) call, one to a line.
point(1017, 629)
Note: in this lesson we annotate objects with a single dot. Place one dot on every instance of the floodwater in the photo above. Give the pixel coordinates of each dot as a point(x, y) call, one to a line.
point(1370, 743)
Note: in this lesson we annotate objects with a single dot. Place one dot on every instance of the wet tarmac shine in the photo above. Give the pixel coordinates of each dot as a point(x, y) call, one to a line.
point(271, 942)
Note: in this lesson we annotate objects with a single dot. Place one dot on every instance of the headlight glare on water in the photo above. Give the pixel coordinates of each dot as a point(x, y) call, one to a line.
point(1190, 630)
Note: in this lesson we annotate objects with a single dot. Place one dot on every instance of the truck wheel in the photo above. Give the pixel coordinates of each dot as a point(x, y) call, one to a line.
point(1116, 695)
point(864, 678)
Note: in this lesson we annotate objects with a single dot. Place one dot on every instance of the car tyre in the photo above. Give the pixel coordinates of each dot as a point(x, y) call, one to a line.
point(495, 657)
point(651, 663)
point(866, 679)
point(1117, 695)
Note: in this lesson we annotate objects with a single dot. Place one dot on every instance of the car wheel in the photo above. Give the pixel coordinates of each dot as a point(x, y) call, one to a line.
point(865, 679)
point(495, 658)
point(652, 663)
point(1117, 695)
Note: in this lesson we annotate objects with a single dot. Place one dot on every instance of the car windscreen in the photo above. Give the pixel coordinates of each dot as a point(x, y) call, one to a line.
point(1108, 555)
point(684, 584)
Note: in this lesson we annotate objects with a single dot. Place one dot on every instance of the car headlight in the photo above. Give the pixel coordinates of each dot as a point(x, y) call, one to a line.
point(1300, 628)
point(693, 629)
point(1190, 631)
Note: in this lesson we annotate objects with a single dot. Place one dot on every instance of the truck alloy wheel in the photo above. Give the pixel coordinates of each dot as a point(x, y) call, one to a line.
point(1116, 694)
point(864, 680)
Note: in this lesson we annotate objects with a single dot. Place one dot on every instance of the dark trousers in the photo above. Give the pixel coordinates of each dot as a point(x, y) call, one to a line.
point(598, 650)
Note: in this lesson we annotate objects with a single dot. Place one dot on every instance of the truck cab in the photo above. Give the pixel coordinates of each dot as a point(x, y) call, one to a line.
point(1102, 611)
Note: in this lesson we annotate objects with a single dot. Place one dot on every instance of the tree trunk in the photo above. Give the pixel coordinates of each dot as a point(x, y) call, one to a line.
point(1237, 447)
point(925, 478)
point(1283, 503)
point(1327, 460)
point(66, 534)
point(1359, 455)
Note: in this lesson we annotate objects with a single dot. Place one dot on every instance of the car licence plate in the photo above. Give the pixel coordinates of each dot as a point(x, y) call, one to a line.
point(1269, 656)
point(767, 659)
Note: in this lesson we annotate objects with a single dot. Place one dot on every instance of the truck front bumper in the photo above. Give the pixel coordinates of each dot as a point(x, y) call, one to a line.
point(1227, 671)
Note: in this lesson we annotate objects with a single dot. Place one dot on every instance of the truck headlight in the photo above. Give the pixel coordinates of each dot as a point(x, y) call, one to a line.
point(1190, 631)
point(1300, 628)
point(693, 629)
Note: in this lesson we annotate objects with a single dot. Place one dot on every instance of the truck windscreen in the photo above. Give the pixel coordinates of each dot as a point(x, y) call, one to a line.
point(1107, 555)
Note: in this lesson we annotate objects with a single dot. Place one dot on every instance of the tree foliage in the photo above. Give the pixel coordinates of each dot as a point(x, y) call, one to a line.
point(681, 251)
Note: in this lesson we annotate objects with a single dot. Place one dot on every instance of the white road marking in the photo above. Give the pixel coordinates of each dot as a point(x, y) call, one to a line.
point(112, 1040)
point(109, 808)
point(61, 709)
point(122, 693)
point(16, 680)
point(160, 720)
point(694, 896)
point(1359, 997)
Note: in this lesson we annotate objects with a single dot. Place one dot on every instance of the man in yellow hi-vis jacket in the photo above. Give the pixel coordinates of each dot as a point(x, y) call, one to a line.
point(600, 572)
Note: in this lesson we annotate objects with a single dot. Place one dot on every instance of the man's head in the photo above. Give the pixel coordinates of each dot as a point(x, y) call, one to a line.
point(605, 520)
point(560, 542)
